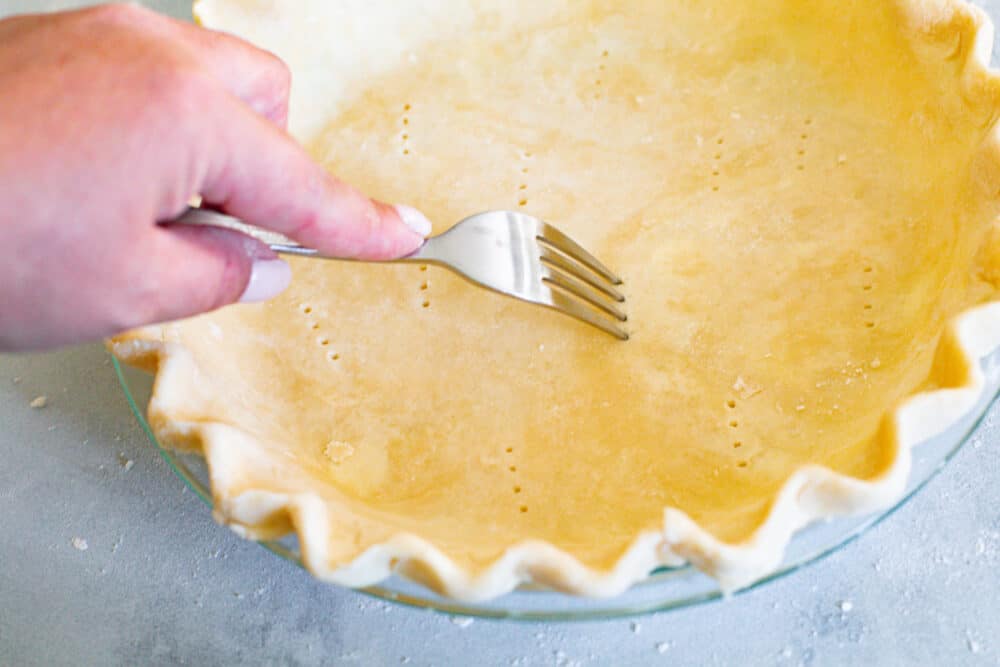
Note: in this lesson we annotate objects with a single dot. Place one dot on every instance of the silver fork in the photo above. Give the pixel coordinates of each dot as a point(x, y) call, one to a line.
point(505, 251)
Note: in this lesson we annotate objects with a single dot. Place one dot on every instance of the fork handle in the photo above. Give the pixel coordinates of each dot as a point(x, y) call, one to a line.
point(283, 245)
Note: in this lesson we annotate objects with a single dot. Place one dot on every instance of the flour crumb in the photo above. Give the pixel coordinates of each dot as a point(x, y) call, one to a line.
point(404, 660)
point(800, 407)
point(17, 380)
point(786, 652)
point(846, 606)
point(125, 462)
point(841, 159)
point(338, 451)
point(79, 544)
point(39, 402)
point(736, 115)
point(462, 621)
point(635, 628)
point(663, 647)
point(876, 363)
point(973, 645)
point(746, 389)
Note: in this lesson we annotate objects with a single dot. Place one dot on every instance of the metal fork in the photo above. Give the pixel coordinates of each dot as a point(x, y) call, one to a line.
point(504, 251)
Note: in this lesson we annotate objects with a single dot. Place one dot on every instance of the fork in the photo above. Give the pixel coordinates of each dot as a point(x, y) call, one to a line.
point(504, 251)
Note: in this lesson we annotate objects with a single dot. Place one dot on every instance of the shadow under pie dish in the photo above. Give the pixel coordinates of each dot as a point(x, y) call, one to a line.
point(800, 197)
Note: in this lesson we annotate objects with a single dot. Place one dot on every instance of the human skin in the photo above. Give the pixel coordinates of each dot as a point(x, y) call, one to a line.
point(111, 119)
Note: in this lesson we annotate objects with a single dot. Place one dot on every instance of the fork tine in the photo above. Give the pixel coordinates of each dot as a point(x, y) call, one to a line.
point(564, 244)
point(570, 306)
point(581, 290)
point(558, 261)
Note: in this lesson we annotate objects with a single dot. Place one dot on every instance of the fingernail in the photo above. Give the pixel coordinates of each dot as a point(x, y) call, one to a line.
point(268, 279)
point(414, 219)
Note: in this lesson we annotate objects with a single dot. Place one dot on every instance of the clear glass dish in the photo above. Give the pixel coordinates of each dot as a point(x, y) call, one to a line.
point(666, 588)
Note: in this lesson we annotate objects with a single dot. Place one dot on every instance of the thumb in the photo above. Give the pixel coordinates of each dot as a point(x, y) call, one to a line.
point(198, 269)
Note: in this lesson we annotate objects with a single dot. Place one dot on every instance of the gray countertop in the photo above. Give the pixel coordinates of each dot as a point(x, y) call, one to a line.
point(108, 559)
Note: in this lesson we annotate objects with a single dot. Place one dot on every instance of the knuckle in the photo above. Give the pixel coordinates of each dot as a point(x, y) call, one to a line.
point(117, 13)
point(178, 87)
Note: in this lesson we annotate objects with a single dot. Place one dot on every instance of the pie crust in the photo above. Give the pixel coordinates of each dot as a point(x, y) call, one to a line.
point(801, 198)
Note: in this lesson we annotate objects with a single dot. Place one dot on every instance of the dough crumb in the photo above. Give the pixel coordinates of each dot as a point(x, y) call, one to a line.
point(846, 606)
point(746, 389)
point(79, 544)
point(841, 159)
point(635, 628)
point(125, 462)
point(663, 647)
point(462, 621)
point(338, 451)
point(39, 402)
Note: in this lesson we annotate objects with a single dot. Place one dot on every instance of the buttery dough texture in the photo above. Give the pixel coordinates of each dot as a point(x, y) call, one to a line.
point(800, 197)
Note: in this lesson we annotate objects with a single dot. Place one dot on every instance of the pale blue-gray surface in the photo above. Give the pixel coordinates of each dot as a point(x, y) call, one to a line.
point(160, 583)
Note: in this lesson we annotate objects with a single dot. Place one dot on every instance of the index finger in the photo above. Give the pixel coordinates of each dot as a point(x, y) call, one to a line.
point(256, 172)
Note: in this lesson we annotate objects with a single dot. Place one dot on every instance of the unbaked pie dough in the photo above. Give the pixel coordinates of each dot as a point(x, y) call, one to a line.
point(800, 196)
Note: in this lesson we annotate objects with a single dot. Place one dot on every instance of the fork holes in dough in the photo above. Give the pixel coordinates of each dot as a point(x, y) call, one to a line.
point(513, 468)
point(523, 202)
point(742, 464)
point(510, 450)
point(870, 325)
point(426, 304)
point(734, 424)
point(868, 269)
point(737, 444)
point(524, 509)
point(868, 306)
point(423, 286)
point(867, 287)
point(324, 342)
point(517, 489)
point(730, 403)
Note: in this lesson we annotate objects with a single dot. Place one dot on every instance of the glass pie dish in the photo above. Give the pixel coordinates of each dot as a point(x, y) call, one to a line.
point(665, 588)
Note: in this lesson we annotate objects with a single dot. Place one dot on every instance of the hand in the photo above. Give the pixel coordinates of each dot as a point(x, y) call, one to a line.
point(111, 119)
